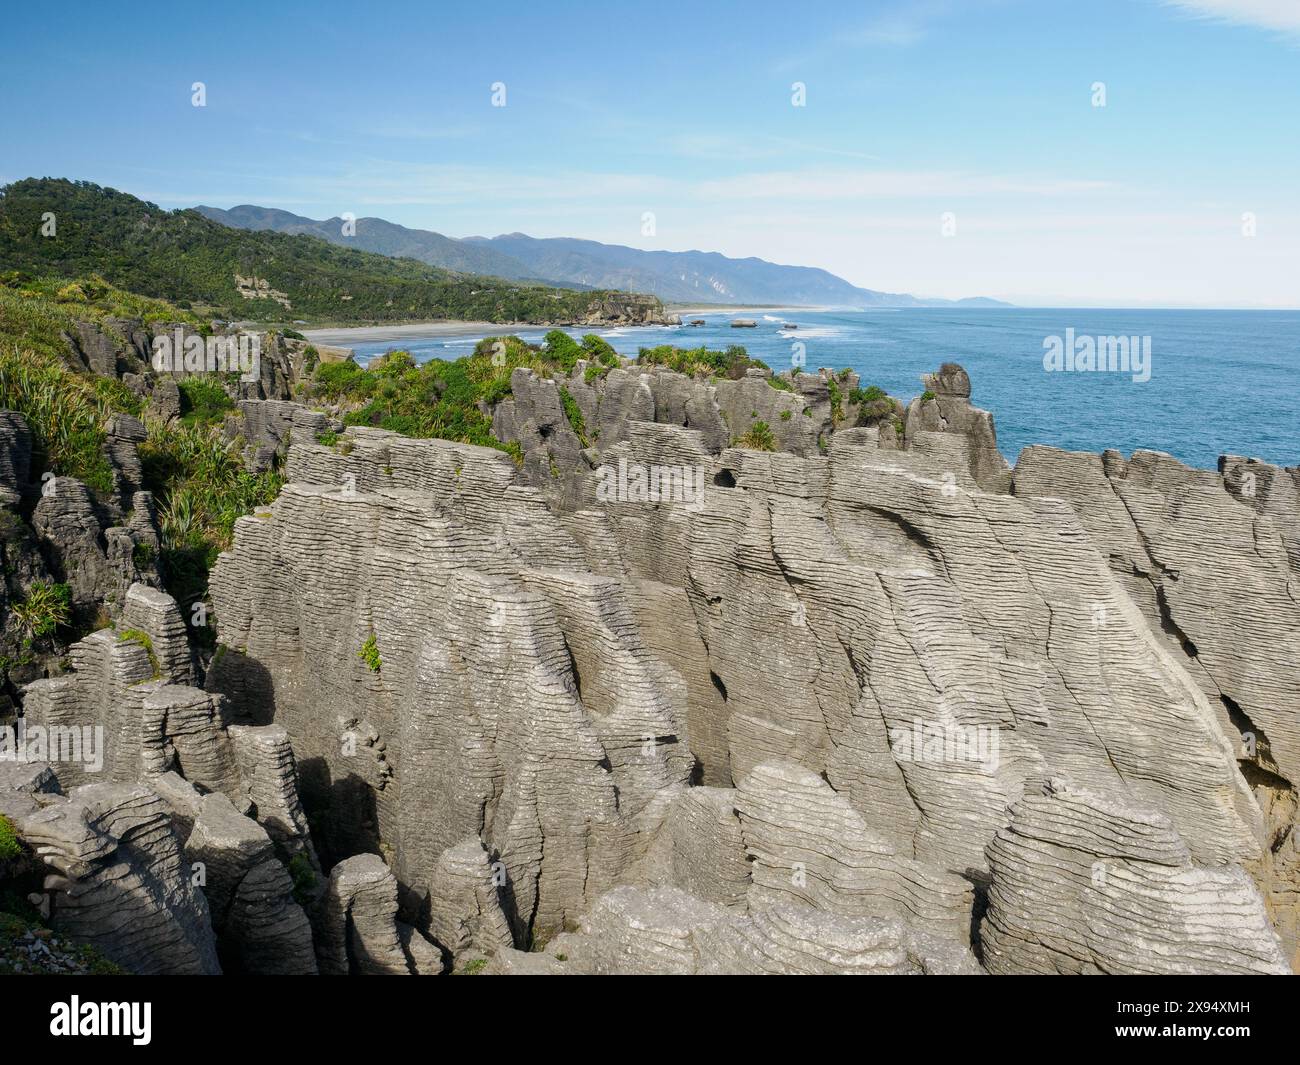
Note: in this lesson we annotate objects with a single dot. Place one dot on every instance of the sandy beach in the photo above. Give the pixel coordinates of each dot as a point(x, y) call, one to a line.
point(345, 336)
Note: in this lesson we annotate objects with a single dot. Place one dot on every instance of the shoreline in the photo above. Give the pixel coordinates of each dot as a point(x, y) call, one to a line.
point(683, 311)
point(342, 336)
point(345, 334)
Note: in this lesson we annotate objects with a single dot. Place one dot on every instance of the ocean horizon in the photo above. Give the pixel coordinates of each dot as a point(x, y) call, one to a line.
point(1215, 382)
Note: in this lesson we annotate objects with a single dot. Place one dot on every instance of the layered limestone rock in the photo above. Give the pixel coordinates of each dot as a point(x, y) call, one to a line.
point(123, 714)
point(465, 915)
point(260, 928)
point(945, 408)
point(780, 716)
point(127, 695)
point(807, 843)
point(15, 453)
point(1087, 885)
point(361, 933)
point(507, 697)
point(1210, 560)
point(706, 852)
point(117, 877)
point(667, 932)
point(155, 612)
point(95, 559)
point(264, 428)
point(800, 414)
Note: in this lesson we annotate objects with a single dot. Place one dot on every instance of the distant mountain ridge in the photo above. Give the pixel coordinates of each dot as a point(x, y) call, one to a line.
point(259, 274)
point(673, 276)
point(381, 237)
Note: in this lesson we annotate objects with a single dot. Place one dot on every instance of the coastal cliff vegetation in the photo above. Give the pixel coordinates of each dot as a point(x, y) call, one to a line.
point(59, 228)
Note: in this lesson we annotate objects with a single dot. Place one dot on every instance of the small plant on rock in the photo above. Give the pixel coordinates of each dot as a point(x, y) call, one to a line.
point(758, 438)
point(45, 608)
point(9, 845)
point(369, 654)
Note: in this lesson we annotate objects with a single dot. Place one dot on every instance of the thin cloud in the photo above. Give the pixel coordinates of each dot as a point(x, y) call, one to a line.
point(888, 184)
point(900, 27)
point(1280, 15)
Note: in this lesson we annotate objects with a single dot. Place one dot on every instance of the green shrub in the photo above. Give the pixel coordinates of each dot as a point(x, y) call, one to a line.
point(44, 609)
point(758, 438)
point(574, 413)
point(204, 400)
point(697, 362)
point(600, 349)
point(837, 401)
point(369, 654)
point(926, 396)
point(562, 350)
point(66, 414)
point(304, 878)
point(335, 380)
point(201, 488)
point(9, 845)
point(871, 394)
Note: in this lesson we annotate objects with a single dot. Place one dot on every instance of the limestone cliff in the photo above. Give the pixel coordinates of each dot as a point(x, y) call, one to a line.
point(870, 702)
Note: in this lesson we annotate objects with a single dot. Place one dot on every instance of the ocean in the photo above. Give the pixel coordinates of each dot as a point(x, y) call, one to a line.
point(1219, 381)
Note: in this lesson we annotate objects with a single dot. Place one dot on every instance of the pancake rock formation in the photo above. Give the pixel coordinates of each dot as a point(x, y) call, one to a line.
point(654, 702)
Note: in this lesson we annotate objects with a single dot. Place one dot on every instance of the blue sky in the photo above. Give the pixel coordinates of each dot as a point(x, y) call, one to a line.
point(978, 108)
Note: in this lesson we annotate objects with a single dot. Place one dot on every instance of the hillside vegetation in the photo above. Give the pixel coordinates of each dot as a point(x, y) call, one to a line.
point(197, 263)
point(199, 483)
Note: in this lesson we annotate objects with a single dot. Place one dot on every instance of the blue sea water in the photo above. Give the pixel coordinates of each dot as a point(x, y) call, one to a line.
point(1221, 381)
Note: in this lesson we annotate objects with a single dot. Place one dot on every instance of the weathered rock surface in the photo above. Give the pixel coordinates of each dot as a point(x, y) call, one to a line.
point(362, 934)
point(1085, 885)
point(656, 703)
point(260, 928)
point(665, 931)
point(1210, 560)
point(117, 877)
point(866, 658)
point(465, 915)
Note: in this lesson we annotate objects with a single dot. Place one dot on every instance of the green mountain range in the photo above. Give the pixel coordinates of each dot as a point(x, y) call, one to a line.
point(60, 228)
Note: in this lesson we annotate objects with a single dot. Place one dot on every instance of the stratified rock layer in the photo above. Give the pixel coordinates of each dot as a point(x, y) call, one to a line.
point(867, 659)
point(1082, 885)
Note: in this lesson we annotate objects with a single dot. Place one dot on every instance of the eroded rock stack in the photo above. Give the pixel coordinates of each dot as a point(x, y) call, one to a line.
point(802, 684)
point(872, 702)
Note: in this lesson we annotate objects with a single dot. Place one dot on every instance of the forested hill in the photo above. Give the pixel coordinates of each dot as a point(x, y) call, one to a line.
point(60, 228)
